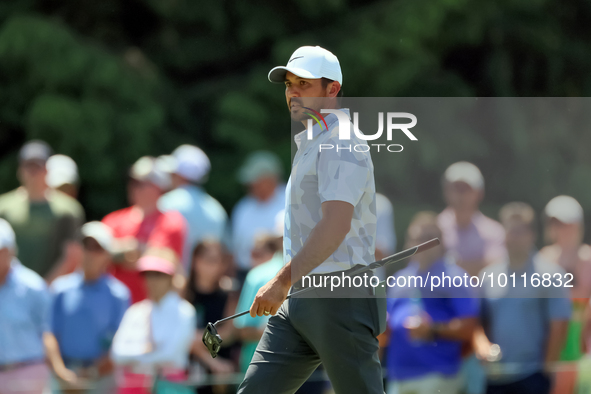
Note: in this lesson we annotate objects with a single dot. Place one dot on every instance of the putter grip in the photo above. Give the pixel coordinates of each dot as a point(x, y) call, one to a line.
point(427, 245)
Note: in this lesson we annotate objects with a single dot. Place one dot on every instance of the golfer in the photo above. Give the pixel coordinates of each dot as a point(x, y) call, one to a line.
point(330, 227)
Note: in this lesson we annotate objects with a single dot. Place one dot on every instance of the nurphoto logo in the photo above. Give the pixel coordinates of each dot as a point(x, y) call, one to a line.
point(345, 129)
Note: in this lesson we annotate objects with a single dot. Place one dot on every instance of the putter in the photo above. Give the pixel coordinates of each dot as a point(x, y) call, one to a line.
point(212, 340)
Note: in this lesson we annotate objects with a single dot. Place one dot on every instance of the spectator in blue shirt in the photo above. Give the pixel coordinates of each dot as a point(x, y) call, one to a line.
point(255, 213)
point(427, 328)
point(87, 307)
point(522, 324)
point(24, 310)
point(206, 217)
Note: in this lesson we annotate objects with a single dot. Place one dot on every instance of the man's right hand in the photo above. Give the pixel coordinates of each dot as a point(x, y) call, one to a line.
point(270, 297)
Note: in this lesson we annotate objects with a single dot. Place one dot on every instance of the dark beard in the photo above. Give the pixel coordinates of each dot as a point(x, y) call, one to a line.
point(299, 115)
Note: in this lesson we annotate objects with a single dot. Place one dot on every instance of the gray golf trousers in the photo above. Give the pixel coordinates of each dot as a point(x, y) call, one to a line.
point(340, 333)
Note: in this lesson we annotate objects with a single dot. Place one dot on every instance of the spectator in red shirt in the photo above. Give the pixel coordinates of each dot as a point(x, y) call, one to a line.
point(142, 225)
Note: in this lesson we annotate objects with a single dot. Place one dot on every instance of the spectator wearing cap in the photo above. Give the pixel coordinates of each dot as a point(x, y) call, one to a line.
point(156, 334)
point(44, 220)
point(62, 175)
point(168, 164)
point(255, 213)
point(527, 322)
point(87, 307)
point(24, 321)
point(428, 328)
point(206, 218)
point(470, 237)
point(564, 230)
point(143, 225)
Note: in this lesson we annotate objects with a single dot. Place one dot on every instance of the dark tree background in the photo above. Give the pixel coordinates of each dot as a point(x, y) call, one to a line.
point(108, 81)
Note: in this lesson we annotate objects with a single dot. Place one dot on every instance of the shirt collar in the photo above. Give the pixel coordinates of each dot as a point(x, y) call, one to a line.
point(330, 119)
point(14, 264)
point(190, 187)
point(101, 279)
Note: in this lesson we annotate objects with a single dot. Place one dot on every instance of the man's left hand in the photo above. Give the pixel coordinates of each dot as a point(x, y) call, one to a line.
point(269, 298)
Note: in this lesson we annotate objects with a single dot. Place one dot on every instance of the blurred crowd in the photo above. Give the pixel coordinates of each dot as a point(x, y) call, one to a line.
point(120, 305)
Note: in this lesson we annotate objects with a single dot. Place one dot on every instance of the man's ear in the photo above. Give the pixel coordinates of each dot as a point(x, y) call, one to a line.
point(334, 88)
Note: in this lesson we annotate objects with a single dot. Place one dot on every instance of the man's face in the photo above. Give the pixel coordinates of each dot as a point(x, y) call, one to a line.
point(31, 172)
point(303, 92)
point(565, 233)
point(96, 259)
point(520, 237)
point(157, 284)
point(460, 195)
point(142, 193)
point(210, 265)
point(263, 188)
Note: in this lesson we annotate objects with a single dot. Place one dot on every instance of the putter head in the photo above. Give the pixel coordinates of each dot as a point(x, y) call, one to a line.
point(212, 340)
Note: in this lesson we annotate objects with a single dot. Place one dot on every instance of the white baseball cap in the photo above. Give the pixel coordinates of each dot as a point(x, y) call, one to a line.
point(566, 209)
point(257, 165)
point(463, 171)
point(148, 169)
point(61, 170)
point(167, 163)
point(309, 62)
point(7, 237)
point(100, 232)
point(35, 150)
point(191, 163)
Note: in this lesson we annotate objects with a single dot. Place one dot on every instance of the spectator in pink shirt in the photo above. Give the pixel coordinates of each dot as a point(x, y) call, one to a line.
point(471, 238)
point(564, 230)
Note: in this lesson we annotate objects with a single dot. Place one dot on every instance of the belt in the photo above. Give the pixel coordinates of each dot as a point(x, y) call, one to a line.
point(21, 364)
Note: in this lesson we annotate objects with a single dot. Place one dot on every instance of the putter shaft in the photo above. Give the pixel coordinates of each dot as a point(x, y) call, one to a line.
point(396, 257)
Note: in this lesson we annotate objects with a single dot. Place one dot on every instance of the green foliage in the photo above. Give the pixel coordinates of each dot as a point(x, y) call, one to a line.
point(113, 80)
point(82, 100)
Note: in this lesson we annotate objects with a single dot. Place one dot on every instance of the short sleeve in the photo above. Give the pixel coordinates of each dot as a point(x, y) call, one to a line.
point(55, 314)
point(559, 303)
point(43, 310)
point(559, 308)
point(343, 175)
